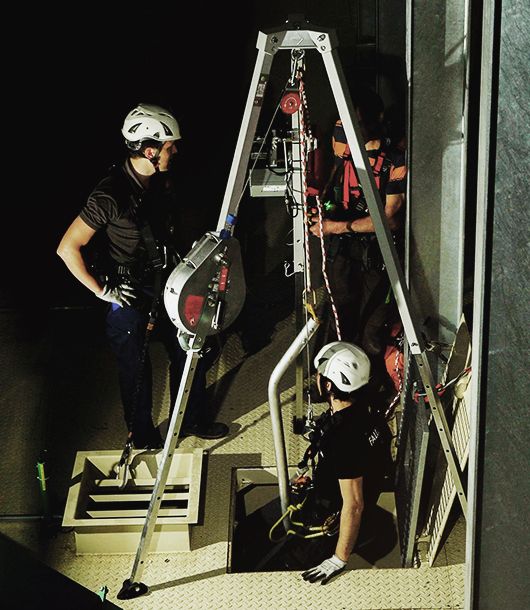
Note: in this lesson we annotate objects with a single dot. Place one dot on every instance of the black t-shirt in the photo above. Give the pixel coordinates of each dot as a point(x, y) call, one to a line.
point(112, 206)
point(354, 444)
point(120, 205)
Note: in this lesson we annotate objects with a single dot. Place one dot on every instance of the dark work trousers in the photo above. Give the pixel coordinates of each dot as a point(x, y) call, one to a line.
point(359, 287)
point(126, 332)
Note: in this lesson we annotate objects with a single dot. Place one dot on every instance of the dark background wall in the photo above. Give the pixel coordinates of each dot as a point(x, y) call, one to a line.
point(86, 65)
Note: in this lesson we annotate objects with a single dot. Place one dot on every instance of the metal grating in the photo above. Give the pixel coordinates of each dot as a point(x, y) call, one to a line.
point(413, 441)
point(444, 491)
point(202, 583)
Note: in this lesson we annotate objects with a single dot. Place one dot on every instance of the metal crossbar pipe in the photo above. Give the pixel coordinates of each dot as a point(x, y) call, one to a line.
point(296, 347)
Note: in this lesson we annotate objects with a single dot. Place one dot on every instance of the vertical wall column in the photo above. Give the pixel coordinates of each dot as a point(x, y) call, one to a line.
point(437, 70)
point(498, 539)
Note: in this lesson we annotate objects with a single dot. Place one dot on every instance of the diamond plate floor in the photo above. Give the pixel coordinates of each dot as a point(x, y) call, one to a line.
point(60, 394)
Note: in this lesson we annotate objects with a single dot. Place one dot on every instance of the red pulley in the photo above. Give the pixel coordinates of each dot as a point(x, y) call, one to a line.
point(290, 102)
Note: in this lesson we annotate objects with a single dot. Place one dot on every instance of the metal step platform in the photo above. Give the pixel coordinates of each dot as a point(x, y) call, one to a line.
point(107, 512)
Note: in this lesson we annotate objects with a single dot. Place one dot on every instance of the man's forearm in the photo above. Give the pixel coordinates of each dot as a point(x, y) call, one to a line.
point(76, 265)
point(366, 225)
point(340, 227)
point(78, 234)
point(350, 522)
point(361, 225)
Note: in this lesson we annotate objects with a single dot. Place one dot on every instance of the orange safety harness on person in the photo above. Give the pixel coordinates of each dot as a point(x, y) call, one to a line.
point(350, 182)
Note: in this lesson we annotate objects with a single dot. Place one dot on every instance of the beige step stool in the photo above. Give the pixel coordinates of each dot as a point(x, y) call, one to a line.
point(108, 520)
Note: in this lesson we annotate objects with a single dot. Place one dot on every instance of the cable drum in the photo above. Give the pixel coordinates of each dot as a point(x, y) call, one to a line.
point(207, 287)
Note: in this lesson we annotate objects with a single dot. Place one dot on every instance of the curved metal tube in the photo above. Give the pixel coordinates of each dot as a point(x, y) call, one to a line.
point(287, 359)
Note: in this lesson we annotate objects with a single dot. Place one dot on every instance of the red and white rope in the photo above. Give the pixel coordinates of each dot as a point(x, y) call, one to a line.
point(324, 271)
point(305, 107)
point(304, 127)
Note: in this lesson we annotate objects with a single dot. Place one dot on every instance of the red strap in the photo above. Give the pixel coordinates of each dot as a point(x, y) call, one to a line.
point(350, 184)
point(378, 163)
point(377, 168)
point(223, 278)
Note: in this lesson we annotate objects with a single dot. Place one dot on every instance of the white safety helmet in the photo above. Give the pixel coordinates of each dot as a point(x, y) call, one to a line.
point(149, 122)
point(345, 364)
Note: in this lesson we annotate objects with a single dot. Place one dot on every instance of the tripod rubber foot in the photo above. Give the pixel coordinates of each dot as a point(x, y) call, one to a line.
point(130, 590)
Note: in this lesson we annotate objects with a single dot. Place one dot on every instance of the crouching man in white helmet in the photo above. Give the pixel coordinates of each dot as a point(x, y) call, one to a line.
point(351, 450)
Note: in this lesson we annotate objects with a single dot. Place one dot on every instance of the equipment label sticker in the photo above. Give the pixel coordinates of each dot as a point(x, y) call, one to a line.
point(260, 91)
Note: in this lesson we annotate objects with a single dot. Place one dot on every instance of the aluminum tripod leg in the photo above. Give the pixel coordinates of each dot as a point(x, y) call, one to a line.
point(388, 250)
point(238, 171)
point(132, 587)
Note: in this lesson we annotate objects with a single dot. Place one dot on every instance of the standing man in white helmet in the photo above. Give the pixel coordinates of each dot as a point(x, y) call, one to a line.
point(351, 450)
point(135, 208)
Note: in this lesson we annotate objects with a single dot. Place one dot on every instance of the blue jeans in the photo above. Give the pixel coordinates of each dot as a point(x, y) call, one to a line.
point(126, 328)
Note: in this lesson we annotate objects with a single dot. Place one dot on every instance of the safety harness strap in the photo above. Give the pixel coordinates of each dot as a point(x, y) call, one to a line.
point(350, 182)
point(157, 260)
point(155, 256)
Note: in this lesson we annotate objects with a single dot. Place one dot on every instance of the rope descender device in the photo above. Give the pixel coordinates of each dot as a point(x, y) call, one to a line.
point(290, 102)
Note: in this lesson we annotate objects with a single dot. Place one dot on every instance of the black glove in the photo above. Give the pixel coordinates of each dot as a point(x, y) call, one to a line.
point(123, 294)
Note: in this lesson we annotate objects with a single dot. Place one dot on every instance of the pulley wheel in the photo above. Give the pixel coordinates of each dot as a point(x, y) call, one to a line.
point(290, 103)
